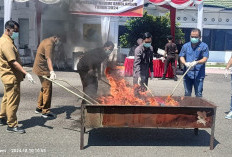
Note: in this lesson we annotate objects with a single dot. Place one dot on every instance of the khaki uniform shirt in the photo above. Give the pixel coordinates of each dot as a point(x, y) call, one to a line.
point(44, 52)
point(8, 53)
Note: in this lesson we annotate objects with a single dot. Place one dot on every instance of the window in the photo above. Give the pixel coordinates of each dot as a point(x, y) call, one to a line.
point(1, 26)
point(27, 4)
point(23, 33)
point(218, 39)
point(187, 32)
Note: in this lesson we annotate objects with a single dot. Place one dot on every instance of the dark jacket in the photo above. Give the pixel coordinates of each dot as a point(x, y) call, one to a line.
point(92, 60)
point(171, 48)
point(143, 61)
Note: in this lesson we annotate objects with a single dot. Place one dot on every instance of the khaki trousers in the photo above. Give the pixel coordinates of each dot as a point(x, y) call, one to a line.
point(10, 103)
point(45, 95)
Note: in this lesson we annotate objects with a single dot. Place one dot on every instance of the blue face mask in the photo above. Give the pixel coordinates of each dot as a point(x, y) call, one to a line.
point(14, 35)
point(147, 45)
point(194, 40)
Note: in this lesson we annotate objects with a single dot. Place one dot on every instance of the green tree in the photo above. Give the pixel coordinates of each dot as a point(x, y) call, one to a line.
point(158, 26)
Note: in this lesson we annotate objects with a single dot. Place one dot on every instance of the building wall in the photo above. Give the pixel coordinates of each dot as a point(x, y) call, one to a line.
point(72, 26)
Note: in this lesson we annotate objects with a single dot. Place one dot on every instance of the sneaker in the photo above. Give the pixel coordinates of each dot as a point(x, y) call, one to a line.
point(16, 130)
point(3, 121)
point(49, 114)
point(37, 110)
point(175, 78)
point(229, 115)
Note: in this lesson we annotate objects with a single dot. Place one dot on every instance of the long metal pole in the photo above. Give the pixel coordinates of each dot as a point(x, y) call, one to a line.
point(68, 90)
point(180, 80)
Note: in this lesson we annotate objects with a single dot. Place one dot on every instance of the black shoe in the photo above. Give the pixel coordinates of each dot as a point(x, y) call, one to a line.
point(16, 130)
point(3, 121)
point(49, 114)
point(163, 78)
point(175, 78)
point(37, 110)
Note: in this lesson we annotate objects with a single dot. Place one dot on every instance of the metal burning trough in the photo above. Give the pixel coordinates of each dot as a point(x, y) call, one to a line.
point(191, 113)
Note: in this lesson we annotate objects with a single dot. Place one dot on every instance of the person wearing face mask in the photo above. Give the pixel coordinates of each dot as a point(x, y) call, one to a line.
point(143, 62)
point(43, 67)
point(12, 73)
point(194, 55)
point(90, 65)
point(170, 51)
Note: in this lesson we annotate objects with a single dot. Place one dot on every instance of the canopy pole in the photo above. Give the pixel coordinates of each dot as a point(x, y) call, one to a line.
point(173, 21)
point(7, 10)
point(200, 18)
point(38, 19)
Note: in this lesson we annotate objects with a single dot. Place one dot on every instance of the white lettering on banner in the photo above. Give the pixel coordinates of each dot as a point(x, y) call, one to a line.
point(104, 6)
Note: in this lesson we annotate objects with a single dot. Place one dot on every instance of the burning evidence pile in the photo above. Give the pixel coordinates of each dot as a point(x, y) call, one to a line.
point(122, 93)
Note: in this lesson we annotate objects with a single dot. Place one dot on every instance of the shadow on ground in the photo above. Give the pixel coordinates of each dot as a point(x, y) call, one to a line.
point(40, 121)
point(147, 137)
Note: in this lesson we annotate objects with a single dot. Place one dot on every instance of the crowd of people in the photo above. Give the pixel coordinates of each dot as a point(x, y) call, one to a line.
point(12, 73)
point(193, 55)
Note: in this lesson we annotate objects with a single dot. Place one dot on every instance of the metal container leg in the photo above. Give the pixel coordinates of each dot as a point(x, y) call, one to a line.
point(82, 127)
point(212, 131)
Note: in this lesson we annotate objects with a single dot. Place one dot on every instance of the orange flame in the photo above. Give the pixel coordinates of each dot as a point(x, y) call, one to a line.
point(121, 93)
point(171, 102)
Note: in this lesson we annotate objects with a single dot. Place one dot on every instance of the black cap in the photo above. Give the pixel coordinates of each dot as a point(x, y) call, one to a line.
point(169, 37)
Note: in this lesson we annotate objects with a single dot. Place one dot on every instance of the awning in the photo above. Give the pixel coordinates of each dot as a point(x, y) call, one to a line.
point(179, 4)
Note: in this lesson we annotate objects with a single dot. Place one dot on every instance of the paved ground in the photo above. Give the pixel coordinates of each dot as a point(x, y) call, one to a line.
point(60, 136)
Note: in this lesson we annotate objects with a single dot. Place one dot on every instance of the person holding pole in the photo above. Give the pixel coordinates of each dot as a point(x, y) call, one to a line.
point(89, 68)
point(143, 63)
point(194, 54)
point(43, 67)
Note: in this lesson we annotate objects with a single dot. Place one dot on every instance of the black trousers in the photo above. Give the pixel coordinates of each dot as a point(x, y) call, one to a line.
point(170, 59)
point(89, 83)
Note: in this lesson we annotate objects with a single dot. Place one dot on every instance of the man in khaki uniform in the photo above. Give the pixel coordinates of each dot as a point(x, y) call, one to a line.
point(43, 67)
point(12, 73)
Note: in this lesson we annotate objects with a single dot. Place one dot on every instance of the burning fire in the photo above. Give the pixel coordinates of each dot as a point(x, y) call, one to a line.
point(121, 93)
point(171, 102)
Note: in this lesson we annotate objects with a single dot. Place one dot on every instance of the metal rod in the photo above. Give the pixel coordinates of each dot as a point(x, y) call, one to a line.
point(67, 89)
point(148, 89)
point(180, 80)
point(79, 90)
point(105, 82)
